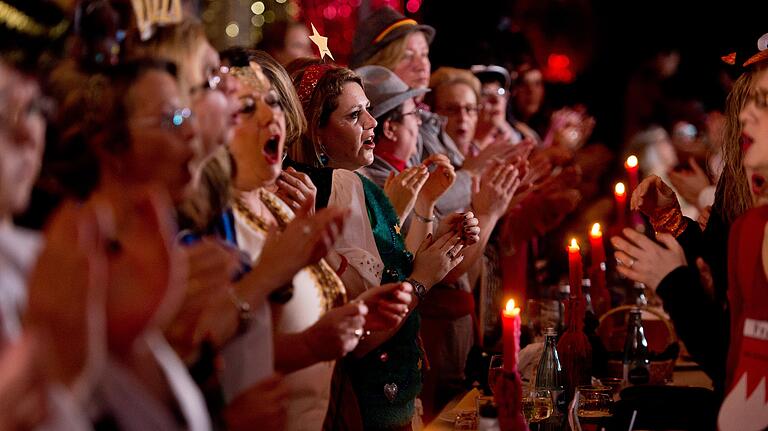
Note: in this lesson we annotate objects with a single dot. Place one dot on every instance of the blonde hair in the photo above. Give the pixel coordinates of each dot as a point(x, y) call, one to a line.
point(449, 76)
point(178, 43)
point(390, 55)
point(732, 197)
point(295, 123)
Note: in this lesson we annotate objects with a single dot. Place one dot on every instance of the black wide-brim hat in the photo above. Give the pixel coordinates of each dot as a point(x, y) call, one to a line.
point(379, 29)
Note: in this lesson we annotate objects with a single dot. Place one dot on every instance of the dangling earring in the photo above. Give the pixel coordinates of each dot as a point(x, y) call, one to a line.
point(322, 157)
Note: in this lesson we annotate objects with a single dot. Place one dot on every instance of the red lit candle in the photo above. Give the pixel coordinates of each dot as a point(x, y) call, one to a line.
point(575, 267)
point(620, 192)
point(631, 165)
point(510, 318)
point(596, 242)
point(601, 298)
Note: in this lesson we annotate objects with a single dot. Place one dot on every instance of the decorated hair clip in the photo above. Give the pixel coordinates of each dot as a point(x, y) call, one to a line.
point(762, 46)
point(155, 13)
point(314, 72)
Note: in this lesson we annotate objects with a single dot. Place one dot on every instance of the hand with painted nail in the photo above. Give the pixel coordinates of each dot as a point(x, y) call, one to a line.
point(297, 190)
point(436, 257)
point(643, 260)
point(403, 189)
point(387, 305)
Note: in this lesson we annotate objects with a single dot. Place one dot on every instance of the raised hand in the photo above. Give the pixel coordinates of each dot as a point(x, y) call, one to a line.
point(296, 189)
point(304, 241)
point(337, 332)
point(690, 183)
point(465, 225)
point(402, 189)
point(440, 180)
point(643, 260)
point(67, 293)
point(387, 305)
point(22, 384)
point(493, 192)
point(211, 265)
point(435, 258)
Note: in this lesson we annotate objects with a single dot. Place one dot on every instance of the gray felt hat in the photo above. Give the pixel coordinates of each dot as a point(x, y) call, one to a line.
point(385, 90)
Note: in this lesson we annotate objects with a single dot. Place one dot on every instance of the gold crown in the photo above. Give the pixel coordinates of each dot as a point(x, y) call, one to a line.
point(152, 13)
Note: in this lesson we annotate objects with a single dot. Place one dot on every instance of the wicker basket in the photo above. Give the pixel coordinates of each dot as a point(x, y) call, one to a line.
point(613, 329)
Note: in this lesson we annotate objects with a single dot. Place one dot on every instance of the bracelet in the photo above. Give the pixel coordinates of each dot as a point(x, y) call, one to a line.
point(418, 289)
point(423, 219)
point(244, 313)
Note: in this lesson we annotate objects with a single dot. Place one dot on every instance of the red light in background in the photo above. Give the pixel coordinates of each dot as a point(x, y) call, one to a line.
point(558, 68)
point(413, 5)
point(329, 12)
point(558, 61)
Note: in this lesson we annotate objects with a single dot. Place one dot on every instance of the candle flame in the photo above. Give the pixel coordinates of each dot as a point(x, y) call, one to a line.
point(510, 309)
point(574, 246)
point(631, 161)
point(620, 189)
point(596, 230)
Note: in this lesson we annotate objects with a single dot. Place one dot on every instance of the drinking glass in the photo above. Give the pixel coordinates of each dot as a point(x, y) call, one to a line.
point(495, 370)
point(537, 405)
point(595, 401)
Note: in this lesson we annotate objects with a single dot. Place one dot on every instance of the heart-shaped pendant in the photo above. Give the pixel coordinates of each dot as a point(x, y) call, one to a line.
point(390, 391)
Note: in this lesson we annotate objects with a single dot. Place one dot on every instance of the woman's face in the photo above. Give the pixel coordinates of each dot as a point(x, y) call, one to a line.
point(493, 101)
point(458, 103)
point(259, 141)
point(414, 67)
point(406, 130)
point(754, 121)
point(22, 138)
point(213, 100)
point(529, 94)
point(162, 133)
point(348, 136)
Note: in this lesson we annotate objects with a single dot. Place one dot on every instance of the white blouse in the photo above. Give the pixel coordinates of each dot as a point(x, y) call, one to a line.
point(316, 289)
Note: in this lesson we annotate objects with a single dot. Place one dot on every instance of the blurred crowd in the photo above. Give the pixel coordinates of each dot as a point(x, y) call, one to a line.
point(265, 239)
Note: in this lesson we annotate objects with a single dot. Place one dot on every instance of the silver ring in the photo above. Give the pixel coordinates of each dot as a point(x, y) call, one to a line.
point(451, 255)
point(359, 332)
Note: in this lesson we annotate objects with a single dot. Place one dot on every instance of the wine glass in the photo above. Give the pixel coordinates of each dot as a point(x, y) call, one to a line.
point(495, 370)
point(537, 405)
point(594, 401)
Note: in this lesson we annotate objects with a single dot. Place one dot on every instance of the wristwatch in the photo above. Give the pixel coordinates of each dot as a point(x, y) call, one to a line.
point(419, 289)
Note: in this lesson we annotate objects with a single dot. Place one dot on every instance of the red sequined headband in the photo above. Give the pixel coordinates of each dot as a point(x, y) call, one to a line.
point(309, 81)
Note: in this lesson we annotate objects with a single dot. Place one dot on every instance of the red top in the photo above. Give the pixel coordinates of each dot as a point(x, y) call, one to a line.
point(392, 160)
point(748, 352)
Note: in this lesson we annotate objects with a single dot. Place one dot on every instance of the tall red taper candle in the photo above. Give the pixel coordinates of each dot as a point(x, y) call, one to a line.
point(596, 243)
point(631, 165)
point(510, 318)
point(574, 268)
point(601, 298)
point(620, 192)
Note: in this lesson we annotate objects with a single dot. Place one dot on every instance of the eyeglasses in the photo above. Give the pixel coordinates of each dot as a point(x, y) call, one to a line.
point(452, 111)
point(417, 112)
point(213, 82)
point(500, 92)
point(171, 120)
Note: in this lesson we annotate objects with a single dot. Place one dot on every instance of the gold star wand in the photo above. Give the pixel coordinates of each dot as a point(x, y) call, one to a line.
point(321, 42)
